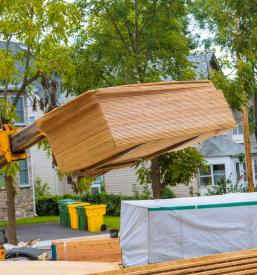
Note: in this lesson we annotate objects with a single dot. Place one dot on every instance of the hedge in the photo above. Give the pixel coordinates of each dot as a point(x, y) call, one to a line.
point(48, 206)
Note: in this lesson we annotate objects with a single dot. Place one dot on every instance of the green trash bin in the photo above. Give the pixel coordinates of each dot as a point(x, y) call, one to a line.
point(64, 212)
point(83, 225)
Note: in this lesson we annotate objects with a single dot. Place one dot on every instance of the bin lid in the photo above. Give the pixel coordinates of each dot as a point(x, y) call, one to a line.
point(67, 203)
point(74, 205)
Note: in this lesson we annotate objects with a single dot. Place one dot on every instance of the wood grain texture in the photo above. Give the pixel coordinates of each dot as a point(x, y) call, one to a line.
point(237, 262)
point(99, 249)
point(113, 127)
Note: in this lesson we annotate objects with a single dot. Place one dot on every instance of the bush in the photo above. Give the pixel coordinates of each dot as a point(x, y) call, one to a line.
point(112, 201)
point(167, 193)
point(47, 206)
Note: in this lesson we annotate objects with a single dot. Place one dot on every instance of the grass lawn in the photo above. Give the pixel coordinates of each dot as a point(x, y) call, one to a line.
point(111, 222)
point(33, 220)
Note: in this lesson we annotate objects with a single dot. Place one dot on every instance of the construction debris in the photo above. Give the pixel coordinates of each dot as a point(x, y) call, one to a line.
point(113, 127)
point(97, 249)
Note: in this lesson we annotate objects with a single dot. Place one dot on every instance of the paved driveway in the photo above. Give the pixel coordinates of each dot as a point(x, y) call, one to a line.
point(49, 231)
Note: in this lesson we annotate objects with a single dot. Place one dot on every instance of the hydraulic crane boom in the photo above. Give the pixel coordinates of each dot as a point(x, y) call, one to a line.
point(14, 142)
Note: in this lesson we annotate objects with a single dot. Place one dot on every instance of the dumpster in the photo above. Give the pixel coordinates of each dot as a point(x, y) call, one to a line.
point(95, 217)
point(74, 221)
point(64, 213)
point(83, 224)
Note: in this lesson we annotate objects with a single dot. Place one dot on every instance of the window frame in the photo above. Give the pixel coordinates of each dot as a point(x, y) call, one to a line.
point(211, 175)
point(20, 123)
point(19, 177)
point(237, 130)
point(10, 98)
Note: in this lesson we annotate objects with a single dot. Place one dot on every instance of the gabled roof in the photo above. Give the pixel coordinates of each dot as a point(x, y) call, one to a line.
point(203, 64)
point(220, 146)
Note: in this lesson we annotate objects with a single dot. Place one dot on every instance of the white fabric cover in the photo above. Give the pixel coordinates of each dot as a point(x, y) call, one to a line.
point(155, 230)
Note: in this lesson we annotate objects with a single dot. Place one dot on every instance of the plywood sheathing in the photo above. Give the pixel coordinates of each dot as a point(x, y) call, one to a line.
point(110, 127)
point(97, 249)
point(53, 268)
point(236, 263)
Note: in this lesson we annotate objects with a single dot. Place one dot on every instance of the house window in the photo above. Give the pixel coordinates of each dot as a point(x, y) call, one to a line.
point(31, 119)
point(24, 175)
point(96, 185)
point(19, 110)
point(239, 130)
point(241, 171)
point(212, 175)
point(255, 168)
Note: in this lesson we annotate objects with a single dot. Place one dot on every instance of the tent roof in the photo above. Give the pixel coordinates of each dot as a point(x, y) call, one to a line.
point(194, 201)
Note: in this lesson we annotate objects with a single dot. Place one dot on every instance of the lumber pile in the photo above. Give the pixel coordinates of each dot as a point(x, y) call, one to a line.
point(113, 127)
point(54, 268)
point(96, 249)
point(236, 263)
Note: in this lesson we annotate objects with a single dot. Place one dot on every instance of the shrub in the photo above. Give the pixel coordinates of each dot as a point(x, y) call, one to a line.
point(47, 206)
point(41, 190)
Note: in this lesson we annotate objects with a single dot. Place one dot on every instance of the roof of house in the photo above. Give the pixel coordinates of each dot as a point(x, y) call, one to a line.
point(203, 64)
point(220, 146)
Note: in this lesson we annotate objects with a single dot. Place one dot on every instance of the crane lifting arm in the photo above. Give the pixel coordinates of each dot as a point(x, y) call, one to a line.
point(14, 142)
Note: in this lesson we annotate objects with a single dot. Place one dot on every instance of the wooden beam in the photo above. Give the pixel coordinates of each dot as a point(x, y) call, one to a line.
point(25, 138)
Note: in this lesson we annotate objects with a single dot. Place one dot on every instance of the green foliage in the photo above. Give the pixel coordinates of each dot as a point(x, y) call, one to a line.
point(113, 201)
point(130, 42)
point(48, 206)
point(167, 193)
point(83, 184)
point(234, 28)
point(41, 190)
point(175, 167)
point(226, 186)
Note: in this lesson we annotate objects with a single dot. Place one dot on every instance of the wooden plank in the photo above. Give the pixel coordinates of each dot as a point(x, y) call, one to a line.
point(237, 262)
point(99, 249)
point(119, 125)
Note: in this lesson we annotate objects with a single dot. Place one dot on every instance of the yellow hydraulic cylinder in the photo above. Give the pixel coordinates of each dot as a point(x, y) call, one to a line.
point(6, 155)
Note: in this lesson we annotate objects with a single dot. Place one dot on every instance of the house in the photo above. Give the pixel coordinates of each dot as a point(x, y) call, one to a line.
point(224, 154)
point(38, 164)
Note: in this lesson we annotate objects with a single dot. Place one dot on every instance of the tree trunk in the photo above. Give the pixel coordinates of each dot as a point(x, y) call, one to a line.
point(248, 156)
point(255, 115)
point(156, 181)
point(10, 202)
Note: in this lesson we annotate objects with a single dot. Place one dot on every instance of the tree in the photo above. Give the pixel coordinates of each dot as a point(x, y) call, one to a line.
point(234, 25)
point(175, 167)
point(132, 41)
point(43, 27)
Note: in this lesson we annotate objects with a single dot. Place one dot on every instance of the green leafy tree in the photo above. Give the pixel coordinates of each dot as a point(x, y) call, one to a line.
point(43, 27)
point(233, 24)
point(131, 41)
point(175, 167)
point(41, 189)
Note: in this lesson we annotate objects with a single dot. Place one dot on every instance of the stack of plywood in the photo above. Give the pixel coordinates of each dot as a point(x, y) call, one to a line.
point(232, 263)
point(113, 127)
point(96, 249)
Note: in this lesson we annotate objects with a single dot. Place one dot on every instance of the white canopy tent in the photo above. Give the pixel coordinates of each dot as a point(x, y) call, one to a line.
point(160, 230)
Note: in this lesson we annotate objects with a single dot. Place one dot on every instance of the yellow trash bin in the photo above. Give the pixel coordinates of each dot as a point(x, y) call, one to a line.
point(74, 221)
point(95, 217)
